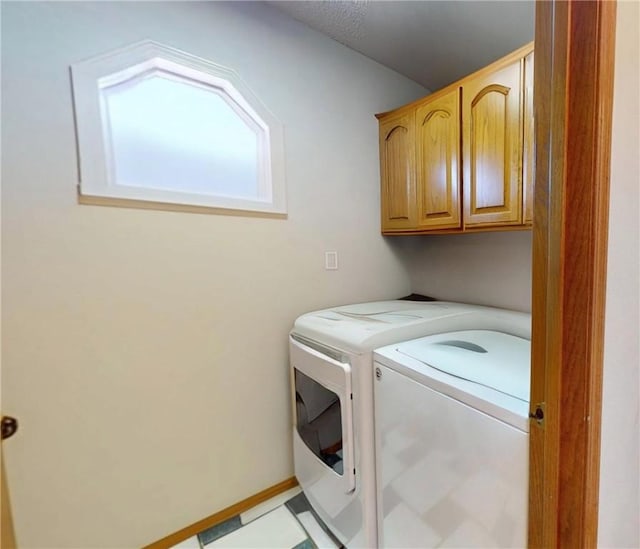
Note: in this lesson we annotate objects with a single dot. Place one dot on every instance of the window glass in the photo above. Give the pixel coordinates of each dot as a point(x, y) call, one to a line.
point(166, 133)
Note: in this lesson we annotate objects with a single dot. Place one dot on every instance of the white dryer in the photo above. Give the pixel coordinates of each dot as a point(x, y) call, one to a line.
point(451, 416)
point(331, 357)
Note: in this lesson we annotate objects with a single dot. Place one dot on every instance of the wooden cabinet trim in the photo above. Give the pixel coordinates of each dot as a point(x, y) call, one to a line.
point(438, 170)
point(468, 230)
point(398, 189)
point(409, 107)
point(528, 161)
point(505, 61)
point(504, 90)
point(521, 52)
point(393, 130)
point(502, 158)
point(433, 113)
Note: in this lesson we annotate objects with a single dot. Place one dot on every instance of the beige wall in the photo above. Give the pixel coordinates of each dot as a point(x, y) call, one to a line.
point(620, 457)
point(144, 352)
point(485, 268)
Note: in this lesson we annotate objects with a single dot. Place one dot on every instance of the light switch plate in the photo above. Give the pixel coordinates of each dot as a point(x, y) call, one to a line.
point(331, 261)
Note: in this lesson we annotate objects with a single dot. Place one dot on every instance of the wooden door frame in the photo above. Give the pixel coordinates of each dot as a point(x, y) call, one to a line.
point(573, 95)
point(7, 533)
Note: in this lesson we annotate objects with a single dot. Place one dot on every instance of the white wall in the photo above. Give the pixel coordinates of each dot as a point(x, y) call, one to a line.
point(485, 268)
point(144, 352)
point(619, 524)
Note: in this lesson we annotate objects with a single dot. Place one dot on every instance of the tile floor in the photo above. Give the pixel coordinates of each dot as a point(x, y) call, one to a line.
point(286, 521)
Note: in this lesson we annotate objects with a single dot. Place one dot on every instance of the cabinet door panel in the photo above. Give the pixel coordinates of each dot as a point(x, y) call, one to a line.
point(492, 137)
point(528, 152)
point(438, 168)
point(397, 171)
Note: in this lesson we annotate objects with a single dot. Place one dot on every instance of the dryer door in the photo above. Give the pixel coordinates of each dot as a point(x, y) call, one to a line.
point(323, 409)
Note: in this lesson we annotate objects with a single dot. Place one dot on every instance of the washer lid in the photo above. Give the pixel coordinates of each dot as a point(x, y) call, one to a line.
point(363, 327)
point(492, 359)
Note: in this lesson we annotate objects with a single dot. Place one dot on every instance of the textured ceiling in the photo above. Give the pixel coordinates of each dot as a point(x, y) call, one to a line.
point(431, 42)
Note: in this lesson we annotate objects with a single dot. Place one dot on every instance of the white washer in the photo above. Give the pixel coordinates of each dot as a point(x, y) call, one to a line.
point(451, 416)
point(331, 356)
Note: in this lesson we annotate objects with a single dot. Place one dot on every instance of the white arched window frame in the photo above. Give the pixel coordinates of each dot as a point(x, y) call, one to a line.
point(97, 79)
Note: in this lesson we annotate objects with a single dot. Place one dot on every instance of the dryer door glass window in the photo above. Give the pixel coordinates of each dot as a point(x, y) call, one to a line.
point(318, 420)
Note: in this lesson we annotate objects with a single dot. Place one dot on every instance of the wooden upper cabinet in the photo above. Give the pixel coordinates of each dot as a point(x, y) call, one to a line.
point(492, 120)
point(438, 161)
point(528, 175)
point(462, 159)
point(397, 171)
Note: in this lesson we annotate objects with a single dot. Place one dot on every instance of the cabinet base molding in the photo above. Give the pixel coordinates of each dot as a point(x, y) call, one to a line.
point(466, 230)
point(225, 514)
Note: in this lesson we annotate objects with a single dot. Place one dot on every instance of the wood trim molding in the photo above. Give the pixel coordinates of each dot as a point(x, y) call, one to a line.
point(168, 207)
point(7, 532)
point(573, 93)
point(225, 514)
point(521, 52)
point(504, 90)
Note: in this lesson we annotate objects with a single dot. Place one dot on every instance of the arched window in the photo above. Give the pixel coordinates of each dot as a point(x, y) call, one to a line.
point(156, 124)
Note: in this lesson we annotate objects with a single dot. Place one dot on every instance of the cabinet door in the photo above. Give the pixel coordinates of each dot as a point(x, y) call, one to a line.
point(528, 174)
point(492, 147)
point(397, 171)
point(438, 162)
